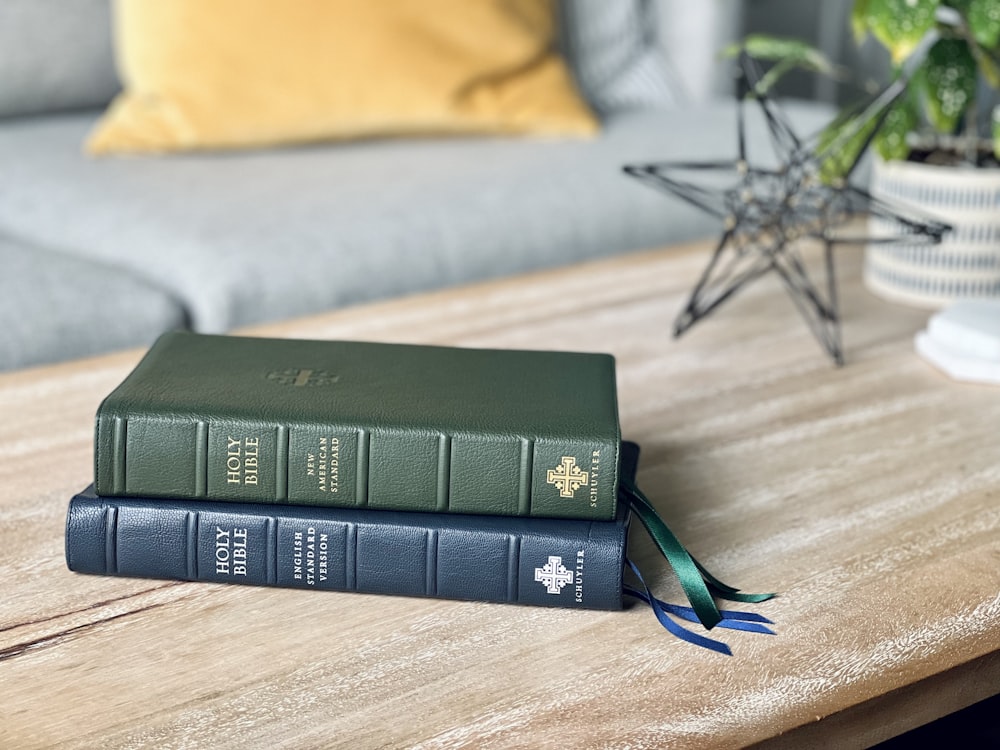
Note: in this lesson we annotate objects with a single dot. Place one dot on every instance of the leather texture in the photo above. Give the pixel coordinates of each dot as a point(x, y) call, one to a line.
point(454, 556)
point(387, 426)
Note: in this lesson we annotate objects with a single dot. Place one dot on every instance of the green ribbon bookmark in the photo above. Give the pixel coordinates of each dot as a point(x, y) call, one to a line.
point(699, 585)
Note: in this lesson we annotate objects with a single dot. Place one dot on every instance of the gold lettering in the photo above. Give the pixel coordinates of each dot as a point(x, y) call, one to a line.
point(242, 460)
point(334, 468)
point(233, 461)
point(252, 447)
point(595, 466)
point(324, 464)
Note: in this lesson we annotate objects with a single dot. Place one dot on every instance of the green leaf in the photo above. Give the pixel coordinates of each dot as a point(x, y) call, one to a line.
point(859, 19)
point(900, 24)
point(983, 17)
point(890, 141)
point(987, 66)
point(787, 54)
point(731, 50)
point(840, 144)
point(947, 81)
point(780, 49)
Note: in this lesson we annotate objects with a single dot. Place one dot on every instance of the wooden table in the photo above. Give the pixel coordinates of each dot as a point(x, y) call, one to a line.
point(869, 496)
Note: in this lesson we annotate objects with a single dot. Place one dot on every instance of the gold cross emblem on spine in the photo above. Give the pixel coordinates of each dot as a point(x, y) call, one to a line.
point(567, 477)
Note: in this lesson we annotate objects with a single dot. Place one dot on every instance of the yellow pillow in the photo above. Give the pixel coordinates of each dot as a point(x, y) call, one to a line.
point(213, 74)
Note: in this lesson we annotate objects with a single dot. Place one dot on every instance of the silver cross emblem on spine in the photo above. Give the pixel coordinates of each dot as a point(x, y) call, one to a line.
point(554, 575)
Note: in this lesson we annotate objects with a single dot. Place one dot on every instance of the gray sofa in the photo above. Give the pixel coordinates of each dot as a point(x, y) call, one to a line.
point(100, 254)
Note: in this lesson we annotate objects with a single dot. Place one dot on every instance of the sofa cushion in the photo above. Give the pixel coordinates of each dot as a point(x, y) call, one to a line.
point(256, 236)
point(56, 307)
point(238, 73)
point(55, 55)
point(616, 55)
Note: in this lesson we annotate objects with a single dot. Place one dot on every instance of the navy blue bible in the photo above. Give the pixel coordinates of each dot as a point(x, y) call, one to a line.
point(563, 563)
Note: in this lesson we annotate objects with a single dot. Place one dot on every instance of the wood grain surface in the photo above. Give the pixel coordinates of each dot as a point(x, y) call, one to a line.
point(869, 496)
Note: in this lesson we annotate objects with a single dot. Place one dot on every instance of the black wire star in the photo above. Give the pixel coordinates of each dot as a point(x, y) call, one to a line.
point(766, 211)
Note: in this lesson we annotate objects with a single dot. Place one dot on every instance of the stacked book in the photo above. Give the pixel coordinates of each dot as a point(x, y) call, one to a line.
point(484, 475)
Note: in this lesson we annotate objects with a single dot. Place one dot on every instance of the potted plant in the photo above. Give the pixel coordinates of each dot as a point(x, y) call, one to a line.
point(937, 148)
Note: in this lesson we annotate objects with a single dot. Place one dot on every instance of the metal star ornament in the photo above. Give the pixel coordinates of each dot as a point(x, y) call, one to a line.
point(766, 211)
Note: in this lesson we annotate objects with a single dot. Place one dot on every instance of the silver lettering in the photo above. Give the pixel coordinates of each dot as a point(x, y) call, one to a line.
point(578, 588)
point(297, 556)
point(239, 552)
point(222, 556)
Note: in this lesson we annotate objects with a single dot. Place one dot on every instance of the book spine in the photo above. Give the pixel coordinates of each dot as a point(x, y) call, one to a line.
point(145, 455)
point(540, 562)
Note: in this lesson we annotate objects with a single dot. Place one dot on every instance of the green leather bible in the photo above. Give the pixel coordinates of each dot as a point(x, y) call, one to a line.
point(364, 425)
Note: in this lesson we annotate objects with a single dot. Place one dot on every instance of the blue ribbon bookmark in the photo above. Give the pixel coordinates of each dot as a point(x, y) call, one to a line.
point(733, 620)
point(700, 586)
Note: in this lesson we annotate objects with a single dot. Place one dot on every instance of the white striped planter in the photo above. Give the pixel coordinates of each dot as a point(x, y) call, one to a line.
point(966, 263)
